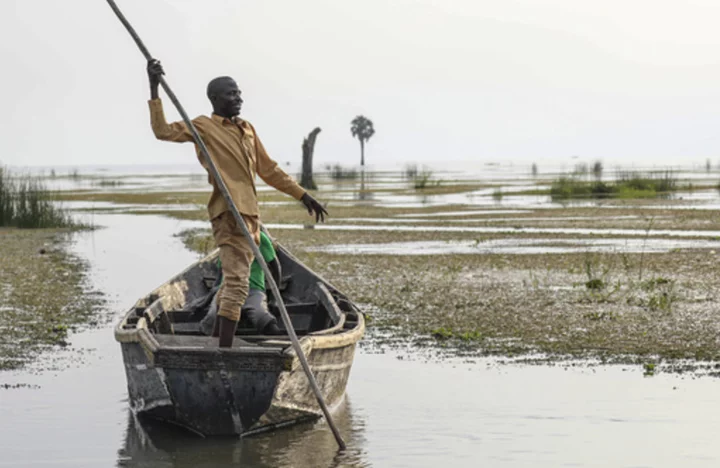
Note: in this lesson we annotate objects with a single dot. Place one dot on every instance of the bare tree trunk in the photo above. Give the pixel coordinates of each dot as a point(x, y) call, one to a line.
point(362, 153)
point(308, 148)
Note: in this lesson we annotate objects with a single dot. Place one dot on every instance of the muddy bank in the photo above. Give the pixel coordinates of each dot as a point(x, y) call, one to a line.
point(659, 310)
point(44, 295)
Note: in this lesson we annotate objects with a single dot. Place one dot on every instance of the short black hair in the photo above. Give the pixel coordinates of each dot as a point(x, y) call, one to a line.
point(215, 83)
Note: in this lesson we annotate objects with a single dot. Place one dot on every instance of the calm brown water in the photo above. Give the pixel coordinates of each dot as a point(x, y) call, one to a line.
point(400, 411)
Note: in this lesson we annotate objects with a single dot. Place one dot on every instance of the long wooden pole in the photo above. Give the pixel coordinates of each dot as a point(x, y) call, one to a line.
point(241, 222)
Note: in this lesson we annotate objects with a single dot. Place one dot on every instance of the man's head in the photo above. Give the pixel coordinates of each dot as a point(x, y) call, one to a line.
point(225, 97)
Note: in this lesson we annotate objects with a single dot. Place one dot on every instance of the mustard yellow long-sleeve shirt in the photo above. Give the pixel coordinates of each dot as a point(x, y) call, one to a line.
point(237, 153)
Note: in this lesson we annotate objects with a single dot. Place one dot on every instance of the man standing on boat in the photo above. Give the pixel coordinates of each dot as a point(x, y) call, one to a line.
point(239, 155)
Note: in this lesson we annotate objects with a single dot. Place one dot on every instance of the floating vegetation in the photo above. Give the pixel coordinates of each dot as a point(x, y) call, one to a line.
point(198, 240)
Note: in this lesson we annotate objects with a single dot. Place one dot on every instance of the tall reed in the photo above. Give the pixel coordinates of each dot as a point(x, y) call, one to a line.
point(25, 202)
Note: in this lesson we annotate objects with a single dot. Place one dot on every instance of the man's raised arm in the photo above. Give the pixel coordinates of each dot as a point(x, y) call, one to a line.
point(176, 131)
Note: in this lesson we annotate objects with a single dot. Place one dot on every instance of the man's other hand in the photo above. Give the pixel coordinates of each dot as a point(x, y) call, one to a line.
point(314, 206)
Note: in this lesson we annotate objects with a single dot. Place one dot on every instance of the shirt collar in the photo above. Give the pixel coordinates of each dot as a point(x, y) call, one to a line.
point(236, 120)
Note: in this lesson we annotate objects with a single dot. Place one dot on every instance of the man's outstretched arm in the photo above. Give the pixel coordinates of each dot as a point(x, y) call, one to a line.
point(176, 131)
point(274, 176)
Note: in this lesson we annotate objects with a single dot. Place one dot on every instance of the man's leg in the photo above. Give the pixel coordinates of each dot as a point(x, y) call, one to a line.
point(255, 308)
point(236, 257)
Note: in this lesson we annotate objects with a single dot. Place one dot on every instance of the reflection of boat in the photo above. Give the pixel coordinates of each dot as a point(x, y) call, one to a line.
point(176, 374)
point(151, 444)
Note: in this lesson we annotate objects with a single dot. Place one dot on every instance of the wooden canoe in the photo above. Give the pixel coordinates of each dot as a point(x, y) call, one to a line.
point(176, 374)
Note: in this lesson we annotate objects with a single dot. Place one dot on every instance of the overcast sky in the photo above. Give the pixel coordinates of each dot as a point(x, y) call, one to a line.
point(447, 80)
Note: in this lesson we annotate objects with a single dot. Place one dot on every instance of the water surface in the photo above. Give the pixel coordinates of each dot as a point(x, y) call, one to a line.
point(401, 411)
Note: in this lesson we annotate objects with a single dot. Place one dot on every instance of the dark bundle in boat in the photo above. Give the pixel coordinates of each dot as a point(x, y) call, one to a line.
point(177, 374)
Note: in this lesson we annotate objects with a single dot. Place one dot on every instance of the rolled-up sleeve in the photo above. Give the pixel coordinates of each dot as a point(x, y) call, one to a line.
point(176, 131)
point(272, 174)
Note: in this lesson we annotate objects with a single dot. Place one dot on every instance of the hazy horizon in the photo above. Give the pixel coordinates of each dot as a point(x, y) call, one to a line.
point(513, 81)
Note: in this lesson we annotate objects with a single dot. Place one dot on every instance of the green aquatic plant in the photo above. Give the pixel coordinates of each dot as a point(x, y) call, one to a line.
point(470, 336)
point(654, 283)
point(25, 202)
point(599, 316)
point(662, 301)
point(442, 333)
point(627, 184)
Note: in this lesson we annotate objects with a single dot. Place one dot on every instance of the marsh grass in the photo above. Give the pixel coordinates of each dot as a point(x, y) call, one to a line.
point(627, 185)
point(338, 172)
point(424, 179)
point(25, 202)
point(411, 171)
point(109, 183)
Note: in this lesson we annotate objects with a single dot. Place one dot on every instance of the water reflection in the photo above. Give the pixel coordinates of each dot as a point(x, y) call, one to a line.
point(152, 444)
point(363, 194)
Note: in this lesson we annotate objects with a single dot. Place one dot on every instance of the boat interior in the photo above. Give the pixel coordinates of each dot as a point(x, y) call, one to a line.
point(314, 306)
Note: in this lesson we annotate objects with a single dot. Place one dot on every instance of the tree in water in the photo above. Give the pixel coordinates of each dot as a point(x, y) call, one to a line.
point(308, 148)
point(362, 128)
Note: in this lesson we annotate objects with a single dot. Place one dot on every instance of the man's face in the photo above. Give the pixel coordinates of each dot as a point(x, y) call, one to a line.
point(227, 100)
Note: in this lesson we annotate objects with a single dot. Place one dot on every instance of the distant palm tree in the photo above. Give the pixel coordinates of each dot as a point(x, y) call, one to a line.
point(362, 128)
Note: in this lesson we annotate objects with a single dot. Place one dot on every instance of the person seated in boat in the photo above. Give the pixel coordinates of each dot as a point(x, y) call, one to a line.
point(239, 156)
point(255, 307)
point(256, 303)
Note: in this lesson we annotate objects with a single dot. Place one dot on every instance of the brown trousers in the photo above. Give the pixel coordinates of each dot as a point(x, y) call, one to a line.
point(236, 257)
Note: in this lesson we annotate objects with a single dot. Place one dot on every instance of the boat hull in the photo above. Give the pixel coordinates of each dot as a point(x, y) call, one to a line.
point(258, 384)
point(236, 402)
